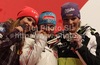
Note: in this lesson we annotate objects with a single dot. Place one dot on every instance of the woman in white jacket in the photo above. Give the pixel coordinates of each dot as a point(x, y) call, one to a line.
point(36, 51)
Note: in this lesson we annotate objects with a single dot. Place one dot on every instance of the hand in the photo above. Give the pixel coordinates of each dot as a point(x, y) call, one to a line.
point(23, 26)
point(19, 28)
point(42, 32)
point(75, 38)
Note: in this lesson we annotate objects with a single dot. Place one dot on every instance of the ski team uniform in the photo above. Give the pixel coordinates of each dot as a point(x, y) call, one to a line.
point(36, 52)
point(89, 51)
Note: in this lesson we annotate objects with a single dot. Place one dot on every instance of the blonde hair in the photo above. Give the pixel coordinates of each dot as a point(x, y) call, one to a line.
point(14, 24)
point(79, 24)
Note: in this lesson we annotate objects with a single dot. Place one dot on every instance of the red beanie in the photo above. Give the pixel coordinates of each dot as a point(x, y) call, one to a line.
point(28, 11)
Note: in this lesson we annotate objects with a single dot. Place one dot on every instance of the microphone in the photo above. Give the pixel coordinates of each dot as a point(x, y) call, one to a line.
point(23, 26)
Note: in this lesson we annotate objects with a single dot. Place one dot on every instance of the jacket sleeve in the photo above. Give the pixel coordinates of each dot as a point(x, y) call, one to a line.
point(89, 48)
point(89, 58)
point(32, 50)
point(5, 38)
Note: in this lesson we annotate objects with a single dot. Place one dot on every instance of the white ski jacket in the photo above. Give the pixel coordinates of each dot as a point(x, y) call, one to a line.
point(33, 54)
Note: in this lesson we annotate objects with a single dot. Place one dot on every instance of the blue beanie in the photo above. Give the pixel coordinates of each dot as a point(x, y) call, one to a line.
point(47, 17)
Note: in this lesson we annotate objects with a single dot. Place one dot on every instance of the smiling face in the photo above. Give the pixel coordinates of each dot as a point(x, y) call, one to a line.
point(29, 21)
point(71, 24)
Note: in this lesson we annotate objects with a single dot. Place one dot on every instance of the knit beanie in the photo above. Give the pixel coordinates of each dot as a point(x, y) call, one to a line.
point(70, 9)
point(28, 11)
point(47, 17)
